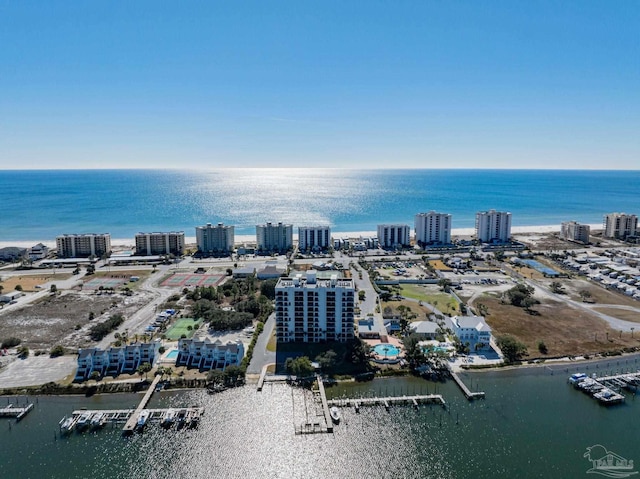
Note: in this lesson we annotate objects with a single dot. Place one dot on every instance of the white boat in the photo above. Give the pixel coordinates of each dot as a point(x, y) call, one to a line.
point(576, 378)
point(335, 414)
point(83, 421)
point(67, 424)
point(143, 418)
point(98, 420)
point(169, 418)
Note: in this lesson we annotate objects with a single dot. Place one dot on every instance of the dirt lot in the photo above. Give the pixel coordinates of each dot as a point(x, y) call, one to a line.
point(29, 283)
point(564, 330)
point(421, 311)
point(54, 319)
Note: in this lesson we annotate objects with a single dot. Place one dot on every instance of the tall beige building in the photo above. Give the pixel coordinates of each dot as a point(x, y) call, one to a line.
point(620, 225)
point(148, 244)
point(83, 245)
point(214, 239)
point(573, 231)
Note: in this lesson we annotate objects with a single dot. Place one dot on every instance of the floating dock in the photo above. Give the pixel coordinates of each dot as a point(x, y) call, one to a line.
point(17, 412)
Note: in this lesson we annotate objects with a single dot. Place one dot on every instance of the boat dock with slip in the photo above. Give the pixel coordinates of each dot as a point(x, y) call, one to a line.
point(606, 389)
point(18, 412)
point(134, 419)
point(467, 392)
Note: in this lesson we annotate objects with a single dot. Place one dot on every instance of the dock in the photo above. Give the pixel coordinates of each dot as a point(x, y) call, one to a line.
point(325, 405)
point(387, 402)
point(182, 415)
point(131, 423)
point(17, 412)
point(606, 389)
point(470, 395)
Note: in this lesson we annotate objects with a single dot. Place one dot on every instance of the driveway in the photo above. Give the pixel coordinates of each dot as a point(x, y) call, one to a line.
point(261, 356)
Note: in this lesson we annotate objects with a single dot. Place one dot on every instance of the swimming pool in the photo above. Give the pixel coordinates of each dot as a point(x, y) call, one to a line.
point(386, 350)
point(173, 354)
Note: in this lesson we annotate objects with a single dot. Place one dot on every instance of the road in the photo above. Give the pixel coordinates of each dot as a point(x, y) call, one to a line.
point(261, 356)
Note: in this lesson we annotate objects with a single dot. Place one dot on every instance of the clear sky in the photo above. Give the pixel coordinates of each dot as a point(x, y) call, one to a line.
point(415, 84)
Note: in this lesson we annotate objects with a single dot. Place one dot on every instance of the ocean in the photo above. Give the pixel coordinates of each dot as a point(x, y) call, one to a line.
point(532, 424)
point(40, 205)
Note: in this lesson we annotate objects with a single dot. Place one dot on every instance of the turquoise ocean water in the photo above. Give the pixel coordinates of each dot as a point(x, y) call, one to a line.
point(39, 205)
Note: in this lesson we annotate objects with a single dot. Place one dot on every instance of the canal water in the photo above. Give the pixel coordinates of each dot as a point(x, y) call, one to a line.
point(531, 425)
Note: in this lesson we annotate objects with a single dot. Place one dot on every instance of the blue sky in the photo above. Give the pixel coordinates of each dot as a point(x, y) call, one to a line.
point(370, 84)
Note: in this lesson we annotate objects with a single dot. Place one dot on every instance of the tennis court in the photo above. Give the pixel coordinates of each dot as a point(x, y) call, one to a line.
point(180, 327)
point(105, 282)
point(182, 280)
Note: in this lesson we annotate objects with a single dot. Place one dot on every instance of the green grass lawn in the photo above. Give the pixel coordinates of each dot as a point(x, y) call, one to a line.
point(180, 327)
point(443, 301)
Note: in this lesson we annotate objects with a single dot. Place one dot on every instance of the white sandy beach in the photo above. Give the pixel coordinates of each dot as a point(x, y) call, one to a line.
point(240, 239)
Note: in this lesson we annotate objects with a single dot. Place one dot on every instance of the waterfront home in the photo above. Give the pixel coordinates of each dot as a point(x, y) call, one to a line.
point(425, 329)
point(205, 354)
point(115, 360)
point(473, 330)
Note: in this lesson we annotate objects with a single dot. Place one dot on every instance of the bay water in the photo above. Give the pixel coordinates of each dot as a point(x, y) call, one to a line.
point(532, 424)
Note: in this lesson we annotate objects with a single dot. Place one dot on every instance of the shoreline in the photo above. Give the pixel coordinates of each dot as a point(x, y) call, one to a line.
point(242, 239)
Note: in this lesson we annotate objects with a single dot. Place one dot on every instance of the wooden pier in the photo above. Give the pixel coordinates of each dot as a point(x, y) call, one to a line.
point(325, 406)
point(183, 416)
point(467, 392)
point(131, 423)
point(387, 402)
point(17, 412)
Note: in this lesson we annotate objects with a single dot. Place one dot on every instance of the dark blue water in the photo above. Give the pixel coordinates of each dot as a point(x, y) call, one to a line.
point(531, 425)
point(39, 205)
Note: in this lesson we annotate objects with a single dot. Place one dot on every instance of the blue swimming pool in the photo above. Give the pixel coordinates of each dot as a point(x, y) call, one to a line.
point(173, 354)
point(386, 350)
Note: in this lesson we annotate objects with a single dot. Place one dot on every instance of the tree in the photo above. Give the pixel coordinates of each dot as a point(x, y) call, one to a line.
point(23, 352)
point(95, 375)
point(520, 294)
point(18, 287)
point(1, 288)
point(413, 351)
point(10, 342)
point(444, 284)
point(144, 368)
point(268, 288)
point(585, 295)
point(557, 288)
point(361, 295)
point(327, 359)
point(53, 289)
point(300, 367)
point(511, 348)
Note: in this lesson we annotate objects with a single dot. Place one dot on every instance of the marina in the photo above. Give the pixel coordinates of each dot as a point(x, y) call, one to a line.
point(17, 412)
point(606, 389)
point(133, 419)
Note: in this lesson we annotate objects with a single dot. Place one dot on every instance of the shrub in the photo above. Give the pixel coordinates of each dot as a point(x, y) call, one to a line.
point(11, 342)
point(99, 331)
point(23, 352)
point(56, 351)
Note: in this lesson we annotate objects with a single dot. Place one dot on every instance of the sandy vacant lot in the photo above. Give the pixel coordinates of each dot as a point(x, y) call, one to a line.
point(29, 282)
point(54, 319)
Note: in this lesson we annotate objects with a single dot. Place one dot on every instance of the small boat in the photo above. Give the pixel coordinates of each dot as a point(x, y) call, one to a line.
point(334, 412)
point(169, 418)
point(83, 421)
point(577, 378)
point(98, 420)
point(67, 424)
point(181, 417)
point(143, 418)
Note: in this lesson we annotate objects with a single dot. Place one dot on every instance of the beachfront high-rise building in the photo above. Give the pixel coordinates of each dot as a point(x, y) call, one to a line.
point(83, 245)
point(433, 228)
point(148, 244)
point(215, 239)
point(493, 226)
point(314, 310)
point(620, 225)
point(314, 238)
point(393, 236)
point(573, 231)
point(274, 237)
